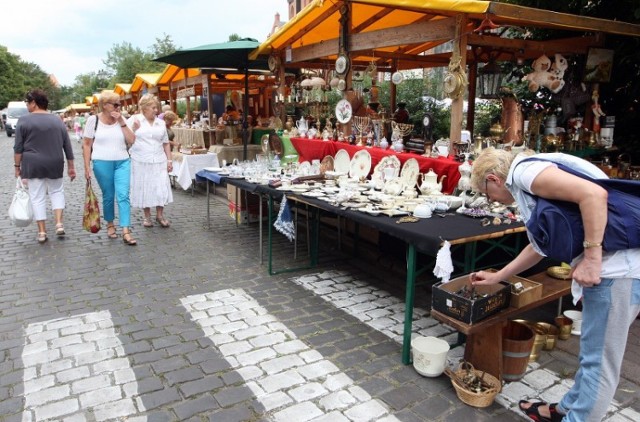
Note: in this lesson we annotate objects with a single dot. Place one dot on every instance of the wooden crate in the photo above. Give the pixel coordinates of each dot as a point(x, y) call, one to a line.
point(532, 291)
point(444, 299)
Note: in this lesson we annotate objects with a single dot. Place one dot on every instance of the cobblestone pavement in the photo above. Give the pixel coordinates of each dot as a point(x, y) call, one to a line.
point(188, 326)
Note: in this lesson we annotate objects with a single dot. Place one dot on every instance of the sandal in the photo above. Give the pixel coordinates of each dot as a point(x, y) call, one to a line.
point(163, 222)
point(42, 237)
point(128, 239)
point(534, 414)
point(60, 230)
point(147, 222)
point(111, 231)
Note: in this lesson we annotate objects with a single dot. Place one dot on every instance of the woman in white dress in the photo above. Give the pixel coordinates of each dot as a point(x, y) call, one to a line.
point(150, 162)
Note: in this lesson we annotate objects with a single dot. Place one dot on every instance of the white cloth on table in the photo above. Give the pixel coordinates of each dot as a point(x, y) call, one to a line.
point(185, 170)
point(150, 185)
point(444, 264)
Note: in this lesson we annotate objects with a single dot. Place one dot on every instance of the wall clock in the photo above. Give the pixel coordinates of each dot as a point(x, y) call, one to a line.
point(342, 64)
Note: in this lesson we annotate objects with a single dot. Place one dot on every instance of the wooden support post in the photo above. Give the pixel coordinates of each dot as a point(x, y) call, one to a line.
point(457, 106)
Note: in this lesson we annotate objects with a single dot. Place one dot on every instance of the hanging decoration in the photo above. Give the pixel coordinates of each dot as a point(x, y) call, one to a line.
point(547, 75)
point(455, 80)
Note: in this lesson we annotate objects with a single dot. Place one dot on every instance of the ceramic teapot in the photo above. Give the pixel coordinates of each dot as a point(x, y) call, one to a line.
point(302, 125)
point(430, 184)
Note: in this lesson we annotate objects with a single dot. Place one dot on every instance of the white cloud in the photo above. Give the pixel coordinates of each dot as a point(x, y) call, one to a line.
point(71, 37)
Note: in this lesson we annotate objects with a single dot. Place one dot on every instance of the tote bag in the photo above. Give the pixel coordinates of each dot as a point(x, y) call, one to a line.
point(557, 229)
point(20, 210)
point(91, 216)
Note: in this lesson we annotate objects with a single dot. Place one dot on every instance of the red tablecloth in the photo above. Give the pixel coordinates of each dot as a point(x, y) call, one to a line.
point(309, 149)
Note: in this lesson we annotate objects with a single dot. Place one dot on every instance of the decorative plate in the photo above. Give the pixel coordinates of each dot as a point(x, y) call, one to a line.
point(275, 144)
point(326, 164)
point(343, 111)
point(360, 165)
point(410, 172)
point(388, 161)
point(304, 167)
point(342, 162)
point(342, 64)
point(397, 78)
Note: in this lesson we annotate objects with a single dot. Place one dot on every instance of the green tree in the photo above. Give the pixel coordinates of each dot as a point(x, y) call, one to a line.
point(125, 61)
point(12, 81)
point(18, 76)
point(234, 37)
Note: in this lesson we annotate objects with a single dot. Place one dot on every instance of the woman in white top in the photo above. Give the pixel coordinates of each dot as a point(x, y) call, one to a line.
point(150, 162)
point(105, 145)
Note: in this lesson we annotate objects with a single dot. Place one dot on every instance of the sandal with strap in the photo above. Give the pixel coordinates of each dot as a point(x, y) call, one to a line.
point(534, 413)
point(146, 222)
point(60, 230)
point(111, 231)
point(163, 222)
point(42, 237)
point(128, 239)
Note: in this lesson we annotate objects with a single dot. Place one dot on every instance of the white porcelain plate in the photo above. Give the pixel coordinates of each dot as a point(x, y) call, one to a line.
point(304, 167)
point(360, 165)
point(344, 111)
point(388, 161)
point(410, 172)
point(341, 162)
point(213, 169)
point(397, 78)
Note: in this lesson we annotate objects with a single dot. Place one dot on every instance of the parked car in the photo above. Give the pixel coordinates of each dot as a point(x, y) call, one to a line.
point(15, 109)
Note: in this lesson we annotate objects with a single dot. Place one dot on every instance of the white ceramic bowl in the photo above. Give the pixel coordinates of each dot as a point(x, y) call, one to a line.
point(422, 211)
point(576, 317)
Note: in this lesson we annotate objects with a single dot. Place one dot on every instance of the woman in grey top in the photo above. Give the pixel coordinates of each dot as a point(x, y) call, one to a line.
point(41, 145)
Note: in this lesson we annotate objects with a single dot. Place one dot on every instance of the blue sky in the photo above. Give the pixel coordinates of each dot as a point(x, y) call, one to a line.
point(71, 37)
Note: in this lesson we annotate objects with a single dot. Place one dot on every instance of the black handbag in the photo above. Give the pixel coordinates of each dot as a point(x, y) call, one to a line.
point(557, 229)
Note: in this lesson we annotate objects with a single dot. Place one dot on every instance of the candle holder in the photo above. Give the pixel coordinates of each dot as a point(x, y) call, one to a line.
point(360, 123)
point(400, 130)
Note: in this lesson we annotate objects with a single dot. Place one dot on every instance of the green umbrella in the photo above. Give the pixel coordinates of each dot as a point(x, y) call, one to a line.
point(226, 55)
point(231, 56)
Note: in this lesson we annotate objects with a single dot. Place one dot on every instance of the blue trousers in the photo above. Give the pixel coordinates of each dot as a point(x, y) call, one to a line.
point(608, 311)
point(114, 178)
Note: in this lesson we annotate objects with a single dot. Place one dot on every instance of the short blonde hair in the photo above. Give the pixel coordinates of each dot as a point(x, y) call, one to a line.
point(170, 116)
point(107, 97)
point(492, 161)
point(148, 100)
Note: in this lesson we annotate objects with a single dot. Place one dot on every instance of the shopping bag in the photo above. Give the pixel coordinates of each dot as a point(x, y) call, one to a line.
point(20, 210)
point(91, 216)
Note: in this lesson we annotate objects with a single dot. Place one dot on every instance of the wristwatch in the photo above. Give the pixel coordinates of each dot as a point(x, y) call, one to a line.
point(586, 244)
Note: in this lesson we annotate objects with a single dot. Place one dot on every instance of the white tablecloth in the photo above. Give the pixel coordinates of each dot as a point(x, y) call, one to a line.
point(185, 170)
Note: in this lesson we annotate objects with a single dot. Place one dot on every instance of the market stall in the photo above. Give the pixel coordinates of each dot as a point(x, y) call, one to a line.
point(350, 36)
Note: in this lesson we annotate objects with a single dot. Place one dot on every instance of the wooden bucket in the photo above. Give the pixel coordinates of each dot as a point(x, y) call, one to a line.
point(517, 341)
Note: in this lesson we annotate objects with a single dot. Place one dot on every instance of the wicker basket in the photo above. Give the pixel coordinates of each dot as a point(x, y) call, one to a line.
point(472, 398)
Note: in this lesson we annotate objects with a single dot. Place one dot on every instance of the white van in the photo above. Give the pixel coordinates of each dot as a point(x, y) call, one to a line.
point(15, 109)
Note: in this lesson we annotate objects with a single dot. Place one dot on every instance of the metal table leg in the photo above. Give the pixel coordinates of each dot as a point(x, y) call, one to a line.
point(208, 208)
point(408, 306)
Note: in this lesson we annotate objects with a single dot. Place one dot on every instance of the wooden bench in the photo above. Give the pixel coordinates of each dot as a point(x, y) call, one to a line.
point(484, 338)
